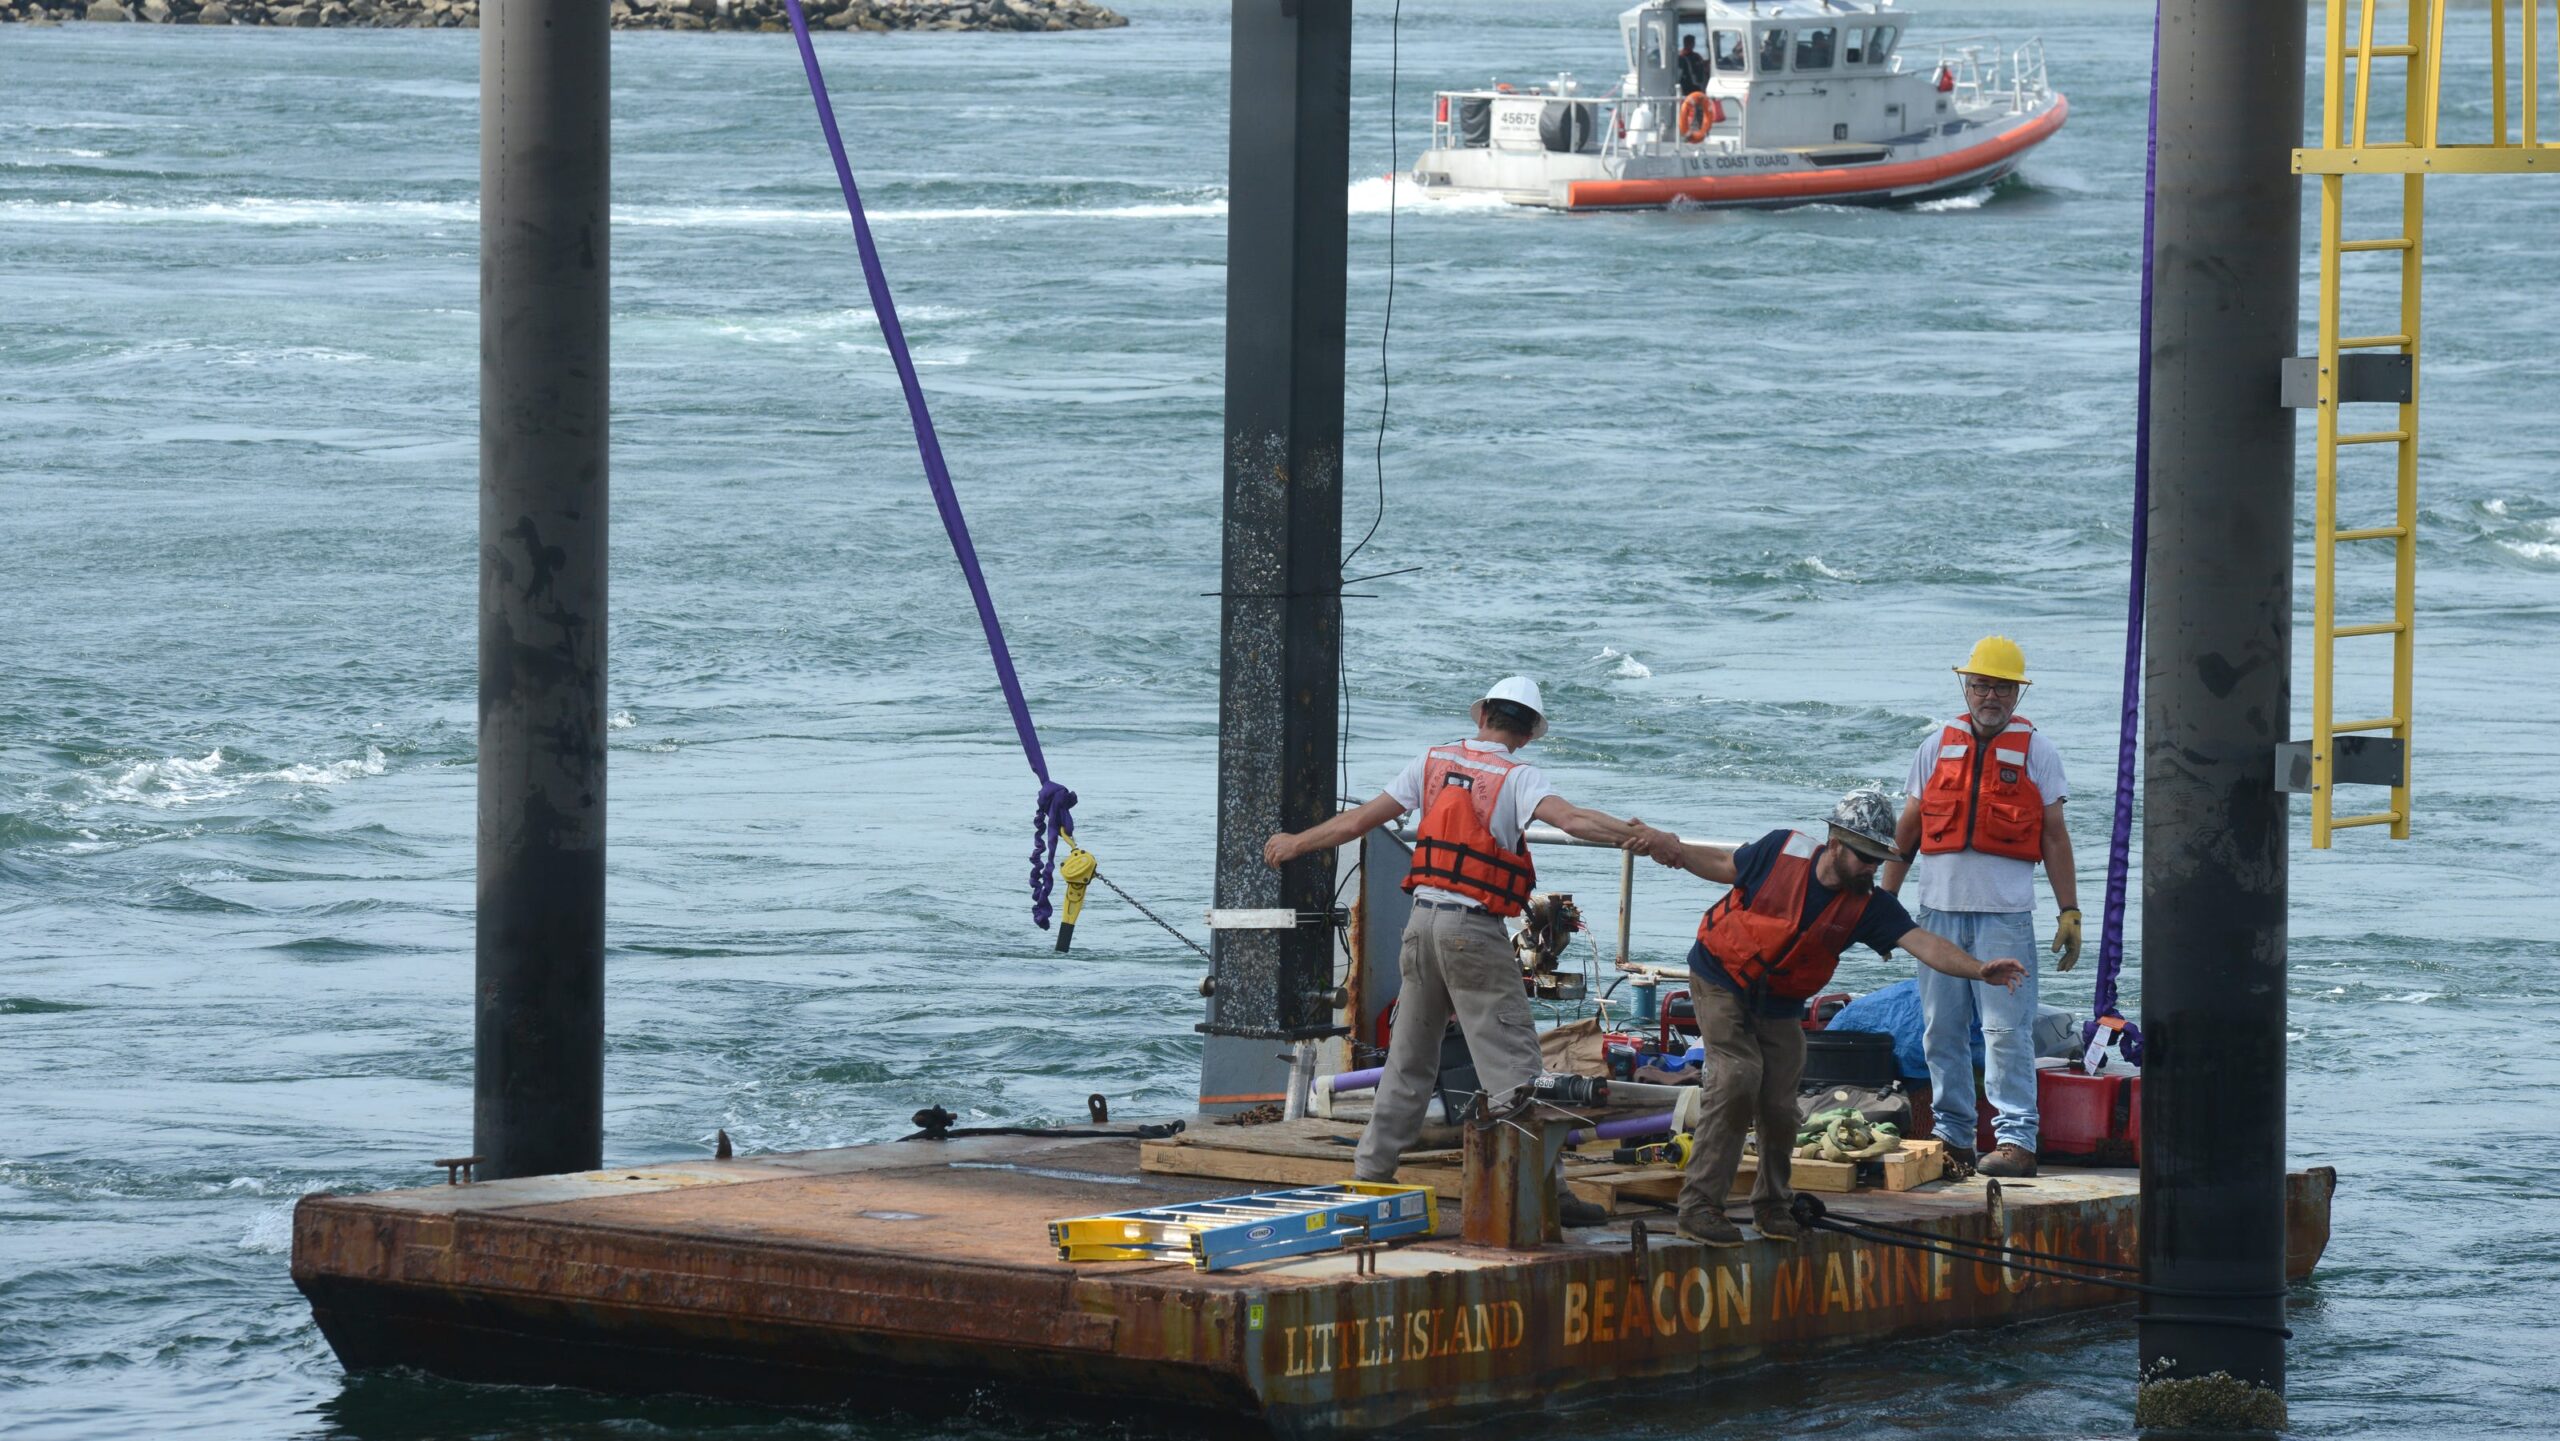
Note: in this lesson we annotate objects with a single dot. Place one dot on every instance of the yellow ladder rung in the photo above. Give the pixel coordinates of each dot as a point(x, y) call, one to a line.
point(2374, 437)
point(2373, 532)
point(2385, 627)
point(2371, 342)
point(2386, 723)
point(2397, 242)
point(2384, 818)
point(2384, 52)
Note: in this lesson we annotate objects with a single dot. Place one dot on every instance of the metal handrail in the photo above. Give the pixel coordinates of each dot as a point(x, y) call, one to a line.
point(1607, 106)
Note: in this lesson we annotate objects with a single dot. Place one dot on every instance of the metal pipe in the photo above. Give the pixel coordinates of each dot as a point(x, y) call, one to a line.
point(2219, 618)
point(1626, 900)
point(1280, 611)
point(545, 181)
point(1652, 1123)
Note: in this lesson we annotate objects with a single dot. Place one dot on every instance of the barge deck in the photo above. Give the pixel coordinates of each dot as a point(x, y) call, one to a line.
point(899, 1273)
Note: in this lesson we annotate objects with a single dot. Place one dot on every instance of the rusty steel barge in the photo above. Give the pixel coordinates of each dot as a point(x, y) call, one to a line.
point(906, 1272)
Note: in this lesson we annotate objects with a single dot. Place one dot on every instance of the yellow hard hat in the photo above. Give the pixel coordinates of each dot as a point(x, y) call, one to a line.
point(1997, 657)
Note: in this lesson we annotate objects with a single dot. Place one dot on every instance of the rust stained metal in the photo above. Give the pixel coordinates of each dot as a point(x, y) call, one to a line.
point(779, 1287)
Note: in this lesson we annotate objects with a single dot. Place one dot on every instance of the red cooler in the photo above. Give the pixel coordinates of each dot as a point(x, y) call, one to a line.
point(2091, 1119)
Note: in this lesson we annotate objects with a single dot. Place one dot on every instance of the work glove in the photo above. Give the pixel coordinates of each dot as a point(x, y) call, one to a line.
point(2066, 939)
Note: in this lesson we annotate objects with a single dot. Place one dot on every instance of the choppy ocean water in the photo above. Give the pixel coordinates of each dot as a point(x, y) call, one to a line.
point(1736, 487)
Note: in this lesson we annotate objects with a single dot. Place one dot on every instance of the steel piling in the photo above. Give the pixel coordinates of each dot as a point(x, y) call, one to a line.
point(538, 1080)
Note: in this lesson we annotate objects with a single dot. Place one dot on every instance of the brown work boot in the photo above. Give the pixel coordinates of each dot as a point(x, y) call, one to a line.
point(1960, 1160)
point(1709, 1228)
point(2008, 1159)
point(1775, 1223)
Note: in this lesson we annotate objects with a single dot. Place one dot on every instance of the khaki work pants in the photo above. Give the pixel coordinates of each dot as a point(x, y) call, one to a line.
point(1453, 960)
point(1753, 1065)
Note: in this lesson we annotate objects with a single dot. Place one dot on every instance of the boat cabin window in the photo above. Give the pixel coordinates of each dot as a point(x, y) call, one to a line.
point(1813, 48)
point(1773, 51)
point(1880, 44)
point(1730, 55)
point(1853, 50)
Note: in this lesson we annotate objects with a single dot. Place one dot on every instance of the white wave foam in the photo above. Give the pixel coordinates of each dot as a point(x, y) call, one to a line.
point(1969, 200)
point(1814, 563)
point(619, 721)
point(2417, 998)
point(172, 781)
point(2494, 507)
point(262, 210)
point(2534, 549)
point(371, 763)
point(184, 781)
point(1627, 667)
point(1372, 196)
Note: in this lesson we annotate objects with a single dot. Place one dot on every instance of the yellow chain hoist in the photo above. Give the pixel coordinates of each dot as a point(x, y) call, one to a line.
point(1078, 871)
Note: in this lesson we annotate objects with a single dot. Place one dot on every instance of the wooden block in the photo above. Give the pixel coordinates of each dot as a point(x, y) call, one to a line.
point(1907, 1168)
point(1832, 1177)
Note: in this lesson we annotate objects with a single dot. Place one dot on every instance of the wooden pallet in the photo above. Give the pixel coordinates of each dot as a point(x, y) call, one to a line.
point(1294, 1153)
point(1913, 1164)
point(1636, 1189)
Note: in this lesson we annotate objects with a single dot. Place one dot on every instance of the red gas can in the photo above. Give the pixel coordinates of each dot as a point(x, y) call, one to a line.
point(2095, 1119)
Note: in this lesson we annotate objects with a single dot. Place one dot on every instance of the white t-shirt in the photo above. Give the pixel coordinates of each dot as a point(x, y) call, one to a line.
point(1968, 880)
point(1521, 792)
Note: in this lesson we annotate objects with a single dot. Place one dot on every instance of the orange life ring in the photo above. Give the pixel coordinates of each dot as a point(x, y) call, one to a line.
point(1699, 113)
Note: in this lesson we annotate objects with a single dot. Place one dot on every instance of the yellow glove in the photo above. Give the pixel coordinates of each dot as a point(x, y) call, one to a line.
point(2066, 939)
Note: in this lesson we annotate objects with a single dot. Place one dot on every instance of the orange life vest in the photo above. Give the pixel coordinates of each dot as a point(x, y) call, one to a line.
point(1979, 797)
point(1453, 848)
point(1765, 944)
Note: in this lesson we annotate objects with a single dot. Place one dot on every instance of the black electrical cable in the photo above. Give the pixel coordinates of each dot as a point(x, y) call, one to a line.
point(933, 1123)
point(1809, 1211)
point(1990, 1246)
point(1386, 393)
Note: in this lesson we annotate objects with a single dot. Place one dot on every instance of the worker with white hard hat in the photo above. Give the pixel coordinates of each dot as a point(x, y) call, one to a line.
point(1471, 868)
point(1984, 809)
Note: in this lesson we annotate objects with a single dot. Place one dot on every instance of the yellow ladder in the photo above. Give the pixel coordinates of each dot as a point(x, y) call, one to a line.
point(2353, 369)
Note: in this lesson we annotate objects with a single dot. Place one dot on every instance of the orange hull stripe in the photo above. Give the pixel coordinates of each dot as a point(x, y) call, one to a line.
point(1233, 1100)
point(1810, 184)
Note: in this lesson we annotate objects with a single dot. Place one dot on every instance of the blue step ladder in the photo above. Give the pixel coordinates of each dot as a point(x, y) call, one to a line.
point(1239, 1230)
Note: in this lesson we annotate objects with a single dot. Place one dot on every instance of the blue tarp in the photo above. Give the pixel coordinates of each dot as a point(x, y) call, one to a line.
point(1895, 1011)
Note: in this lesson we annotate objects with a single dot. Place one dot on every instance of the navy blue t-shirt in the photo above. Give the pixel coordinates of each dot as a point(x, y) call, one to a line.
point(1880, 928)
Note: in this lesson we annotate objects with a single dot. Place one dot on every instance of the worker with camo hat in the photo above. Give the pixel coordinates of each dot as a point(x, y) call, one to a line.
point(1986, 793)
point(1763, 949)
point(1470, 869)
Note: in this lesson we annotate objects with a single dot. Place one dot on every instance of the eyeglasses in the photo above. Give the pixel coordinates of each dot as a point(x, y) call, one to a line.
point(1974, 686)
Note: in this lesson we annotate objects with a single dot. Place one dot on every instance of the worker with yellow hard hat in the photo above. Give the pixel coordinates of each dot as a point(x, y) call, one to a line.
point(1984, 809)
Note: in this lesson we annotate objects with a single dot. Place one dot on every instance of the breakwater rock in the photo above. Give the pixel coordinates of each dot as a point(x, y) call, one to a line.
point(873, 15)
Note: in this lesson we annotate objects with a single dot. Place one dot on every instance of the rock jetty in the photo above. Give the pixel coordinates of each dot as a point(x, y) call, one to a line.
point(874, 15)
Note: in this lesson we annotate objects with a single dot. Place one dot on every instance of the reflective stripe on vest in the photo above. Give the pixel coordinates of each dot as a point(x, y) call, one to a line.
point(1765, 944)
point(1454, 848)
point(1980, 797)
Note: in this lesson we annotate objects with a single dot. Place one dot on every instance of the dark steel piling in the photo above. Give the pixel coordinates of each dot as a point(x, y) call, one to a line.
point(1280, 614)
point(2219, 625)
point(538, 1081)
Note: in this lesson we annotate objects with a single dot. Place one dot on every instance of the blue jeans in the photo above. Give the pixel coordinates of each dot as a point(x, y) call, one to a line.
point(1952, 1006)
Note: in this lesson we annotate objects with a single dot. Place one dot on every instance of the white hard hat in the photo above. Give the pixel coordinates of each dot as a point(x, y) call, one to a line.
point(1521, 691)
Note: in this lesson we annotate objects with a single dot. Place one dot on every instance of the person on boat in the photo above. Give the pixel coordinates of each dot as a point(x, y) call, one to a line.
point(1693, 67)
point(1471, 867)
point(1797, 902)
point(1986, 792)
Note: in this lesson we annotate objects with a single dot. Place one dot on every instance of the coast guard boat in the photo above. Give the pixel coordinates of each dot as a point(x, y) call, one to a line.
point(1803, 100)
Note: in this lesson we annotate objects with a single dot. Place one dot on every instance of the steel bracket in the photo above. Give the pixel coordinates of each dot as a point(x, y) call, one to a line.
point(2360, 761)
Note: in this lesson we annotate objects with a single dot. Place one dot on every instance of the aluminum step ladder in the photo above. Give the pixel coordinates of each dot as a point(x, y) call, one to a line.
point(2382, 369)
point(1237, 1230)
